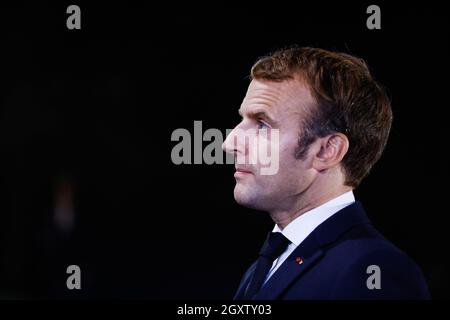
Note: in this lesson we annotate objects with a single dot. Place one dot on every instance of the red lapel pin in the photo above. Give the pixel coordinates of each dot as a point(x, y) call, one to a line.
point(299, 260)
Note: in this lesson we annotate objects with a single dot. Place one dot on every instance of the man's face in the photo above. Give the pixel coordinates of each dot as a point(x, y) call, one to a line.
point(269, 106)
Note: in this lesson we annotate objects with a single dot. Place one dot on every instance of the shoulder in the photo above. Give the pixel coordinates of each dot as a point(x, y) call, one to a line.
point(371, 267)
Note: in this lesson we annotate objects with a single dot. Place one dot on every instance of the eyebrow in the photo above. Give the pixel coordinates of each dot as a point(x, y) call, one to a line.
point(259, 114)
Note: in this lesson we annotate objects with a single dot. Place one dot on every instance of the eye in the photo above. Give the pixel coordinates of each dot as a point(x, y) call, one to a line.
point(262, 125)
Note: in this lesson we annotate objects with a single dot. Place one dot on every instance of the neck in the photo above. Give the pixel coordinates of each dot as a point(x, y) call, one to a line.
point(304, 202)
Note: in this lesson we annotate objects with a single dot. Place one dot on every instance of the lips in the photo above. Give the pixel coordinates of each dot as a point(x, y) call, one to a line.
point(243, 170)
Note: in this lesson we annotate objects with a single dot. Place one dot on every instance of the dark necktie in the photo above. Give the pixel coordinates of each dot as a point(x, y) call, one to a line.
point(273, 247)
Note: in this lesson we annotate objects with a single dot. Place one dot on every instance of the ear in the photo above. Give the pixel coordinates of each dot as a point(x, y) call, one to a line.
point(331, 152)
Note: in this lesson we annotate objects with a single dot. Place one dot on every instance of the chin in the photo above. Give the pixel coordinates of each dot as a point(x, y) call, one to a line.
point(241, 196)
point(246, 198)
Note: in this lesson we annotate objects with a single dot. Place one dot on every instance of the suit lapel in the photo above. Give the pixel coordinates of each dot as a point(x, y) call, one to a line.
point(310, 251)
point(244, 282)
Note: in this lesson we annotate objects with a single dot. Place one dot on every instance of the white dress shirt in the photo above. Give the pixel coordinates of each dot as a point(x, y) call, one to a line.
point(298, 229)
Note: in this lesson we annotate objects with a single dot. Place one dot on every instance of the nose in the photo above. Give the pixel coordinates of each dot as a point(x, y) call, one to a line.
point(228, 145)
point(231, 145)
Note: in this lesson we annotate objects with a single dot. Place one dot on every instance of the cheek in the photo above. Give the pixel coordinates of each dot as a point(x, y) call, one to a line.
point(292, 171)
point(287, 152)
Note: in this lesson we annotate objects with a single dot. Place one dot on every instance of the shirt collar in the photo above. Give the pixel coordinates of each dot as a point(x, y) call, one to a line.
point(298, 229)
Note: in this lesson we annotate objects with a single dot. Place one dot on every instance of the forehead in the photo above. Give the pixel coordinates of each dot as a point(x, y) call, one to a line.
point(285, 97)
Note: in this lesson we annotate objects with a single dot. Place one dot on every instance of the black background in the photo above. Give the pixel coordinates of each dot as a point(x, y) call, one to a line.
point(95, 109)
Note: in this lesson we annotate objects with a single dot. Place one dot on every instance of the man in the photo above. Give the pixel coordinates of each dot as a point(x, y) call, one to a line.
point(333, 122)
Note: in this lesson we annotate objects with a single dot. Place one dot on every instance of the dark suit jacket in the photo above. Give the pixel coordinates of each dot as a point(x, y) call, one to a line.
point(332, 263)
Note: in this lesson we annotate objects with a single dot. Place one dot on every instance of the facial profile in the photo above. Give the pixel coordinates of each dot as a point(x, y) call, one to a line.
point(267, 106)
